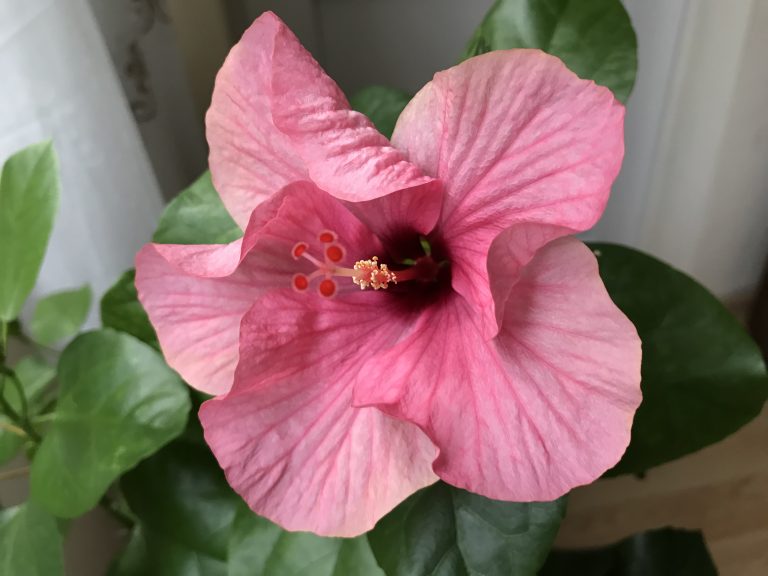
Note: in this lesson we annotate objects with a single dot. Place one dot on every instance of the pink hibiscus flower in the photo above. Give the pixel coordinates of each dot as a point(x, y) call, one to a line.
point(401, 312)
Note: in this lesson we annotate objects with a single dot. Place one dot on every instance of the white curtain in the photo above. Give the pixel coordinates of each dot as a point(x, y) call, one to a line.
point(58, 82)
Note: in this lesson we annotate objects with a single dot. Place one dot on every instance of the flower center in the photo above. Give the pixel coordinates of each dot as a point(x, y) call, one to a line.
point(369, 273)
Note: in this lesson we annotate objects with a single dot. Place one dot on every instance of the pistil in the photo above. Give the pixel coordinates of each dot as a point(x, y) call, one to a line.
point(366, 274)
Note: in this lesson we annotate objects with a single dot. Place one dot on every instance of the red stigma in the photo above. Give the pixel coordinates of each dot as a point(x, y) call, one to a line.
point(334, 253)
point(326, 237)
point(327, 287)
point(299, 249)
point(300, 282)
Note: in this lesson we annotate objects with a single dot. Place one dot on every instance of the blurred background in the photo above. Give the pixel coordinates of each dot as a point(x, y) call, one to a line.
point(122, 87)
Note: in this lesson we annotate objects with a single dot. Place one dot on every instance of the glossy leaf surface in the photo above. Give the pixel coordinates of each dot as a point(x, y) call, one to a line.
point(594, 38)
point(703, 377)
point(118, 403)
point(122, 311)
point(444, 531)
point(29, 198)
point(197, 216)
point(59, 316)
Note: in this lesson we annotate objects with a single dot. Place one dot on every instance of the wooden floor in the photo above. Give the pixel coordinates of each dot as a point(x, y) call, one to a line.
point(722, 490)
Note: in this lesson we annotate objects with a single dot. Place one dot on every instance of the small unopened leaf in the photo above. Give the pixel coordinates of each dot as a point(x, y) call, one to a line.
point(197, 216)
point(665, 552)
point(29, 197)
point(445, 531)
point(122, 311)
point(594, 38)
point(30, 542)
point(118, 403)
point(60, 315)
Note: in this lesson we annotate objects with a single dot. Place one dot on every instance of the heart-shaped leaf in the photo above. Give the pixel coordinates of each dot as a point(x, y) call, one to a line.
point(703, 377)
point(665, 552)
point(382, 105)
point(122, 311)
point(444, 531)
point(29, 197)
point(186, 511)
point(260, 548)
point(118, 403)
point(594, 38)
point(60, 315)
point(197, 216)
point(30, 543)
point(191, 522)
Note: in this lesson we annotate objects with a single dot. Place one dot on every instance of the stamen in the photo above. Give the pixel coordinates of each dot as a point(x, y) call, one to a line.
point(365, 273)
point(369, 273)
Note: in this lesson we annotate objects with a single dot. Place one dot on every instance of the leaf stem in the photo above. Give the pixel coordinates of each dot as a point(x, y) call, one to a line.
point(12, 429)
point(20, 418)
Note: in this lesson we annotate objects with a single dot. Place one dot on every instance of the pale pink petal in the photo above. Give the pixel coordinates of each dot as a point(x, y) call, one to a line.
point(287, 436)
point(276, 117)
point(345, 154)
point(196, 318)
point(196, 296)
point(249, 158)
point(515, 137)
point(414, 210)
point(546, 406)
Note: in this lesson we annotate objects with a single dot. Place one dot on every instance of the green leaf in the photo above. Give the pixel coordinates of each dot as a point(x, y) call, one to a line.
point(191, 522)
point(382, 105)
point(702, 375)
point(29, 197)
point(186, 511)
point(594, 38)
point(444, 531)
point(260, 548)
point(118, 403)
point(60, 315)
point(665, 552)
point(34, 377)
point(30, 543)
point(122, 311)
point(197, 216)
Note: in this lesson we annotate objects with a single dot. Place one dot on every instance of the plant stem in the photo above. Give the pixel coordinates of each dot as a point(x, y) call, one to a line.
point(20, 419)
point(12, 429)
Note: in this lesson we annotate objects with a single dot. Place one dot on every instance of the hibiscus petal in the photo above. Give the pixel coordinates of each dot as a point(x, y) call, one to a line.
point(287, 436)
point(546, 406)
point(276, 117)
point(412, 210)
point(196, 296)
point(516, 137)
point(196, 318)
point(249, 158)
